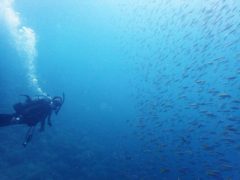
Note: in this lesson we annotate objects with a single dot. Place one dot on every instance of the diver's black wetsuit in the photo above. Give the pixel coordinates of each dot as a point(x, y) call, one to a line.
point(31, 112)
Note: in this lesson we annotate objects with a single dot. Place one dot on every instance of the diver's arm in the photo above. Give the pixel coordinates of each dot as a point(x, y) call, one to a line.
point(49, 119)
point(42, 125)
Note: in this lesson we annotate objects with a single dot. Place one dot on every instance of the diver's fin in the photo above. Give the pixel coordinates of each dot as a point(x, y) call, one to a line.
point(29, 136)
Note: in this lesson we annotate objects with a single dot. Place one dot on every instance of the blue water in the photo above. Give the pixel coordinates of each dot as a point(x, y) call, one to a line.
point(152, 88)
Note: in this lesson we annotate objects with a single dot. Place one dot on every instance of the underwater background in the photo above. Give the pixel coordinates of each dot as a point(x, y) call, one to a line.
point(152, 88)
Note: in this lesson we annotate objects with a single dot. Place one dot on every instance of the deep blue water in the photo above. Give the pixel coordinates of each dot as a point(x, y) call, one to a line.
point(152, 88)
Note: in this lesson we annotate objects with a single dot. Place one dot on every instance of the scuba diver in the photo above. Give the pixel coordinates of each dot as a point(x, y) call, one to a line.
point(33, 111)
